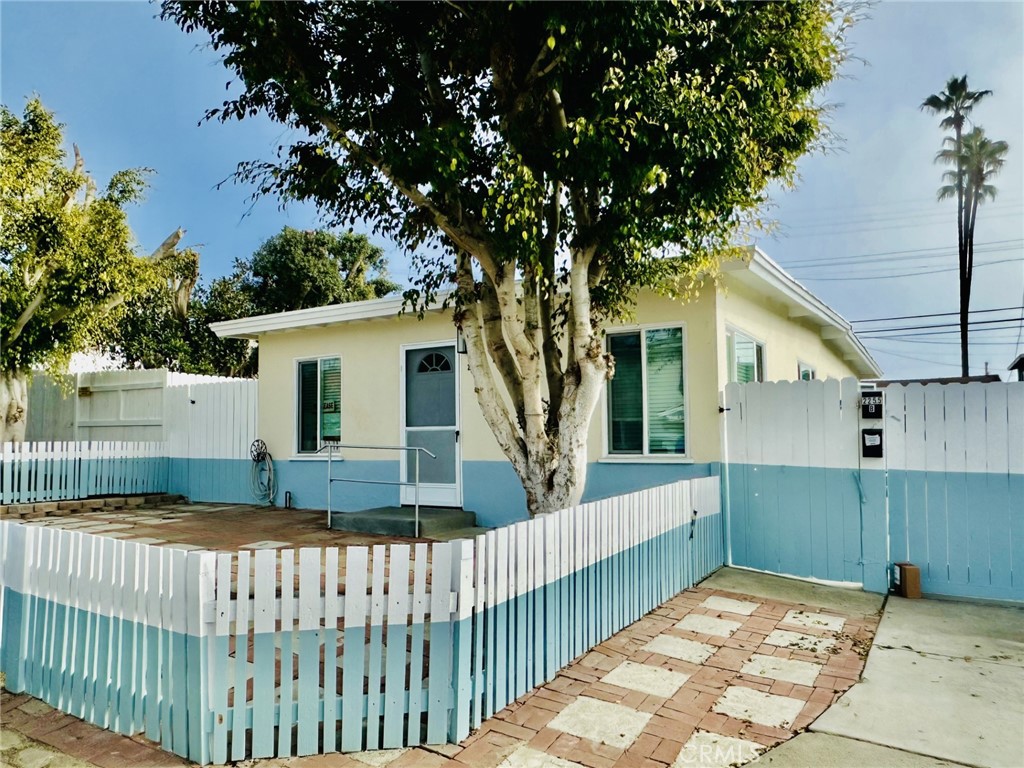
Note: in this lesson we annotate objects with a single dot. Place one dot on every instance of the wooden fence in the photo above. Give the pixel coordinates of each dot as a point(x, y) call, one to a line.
point(234, 655)
point(58, 471)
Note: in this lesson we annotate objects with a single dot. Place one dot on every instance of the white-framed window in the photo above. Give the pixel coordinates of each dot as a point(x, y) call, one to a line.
point(745, 357)
point(647, 396)
point(318, 410)
point(805, 372)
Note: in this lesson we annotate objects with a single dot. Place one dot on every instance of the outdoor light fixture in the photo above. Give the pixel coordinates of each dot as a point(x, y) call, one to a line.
point(460, 342)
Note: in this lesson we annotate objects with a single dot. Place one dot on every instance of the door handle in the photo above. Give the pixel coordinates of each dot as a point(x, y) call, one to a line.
point(457, 433)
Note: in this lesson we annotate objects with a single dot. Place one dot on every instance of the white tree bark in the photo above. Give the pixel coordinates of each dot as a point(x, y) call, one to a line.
point(13, 406)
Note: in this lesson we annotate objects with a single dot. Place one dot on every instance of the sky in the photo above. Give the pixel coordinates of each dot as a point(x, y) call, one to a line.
point(862, 229)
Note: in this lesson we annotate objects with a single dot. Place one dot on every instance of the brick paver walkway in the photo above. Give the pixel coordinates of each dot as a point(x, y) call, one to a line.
point(709, 678)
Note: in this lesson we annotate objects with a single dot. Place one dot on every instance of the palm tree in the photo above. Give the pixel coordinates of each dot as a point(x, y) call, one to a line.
point(955, 104)
point(978, 160)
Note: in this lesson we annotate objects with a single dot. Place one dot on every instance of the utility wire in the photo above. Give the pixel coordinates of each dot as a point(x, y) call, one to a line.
point(909, 274)
point(942, 325)
point(942, 249)
point(918, 359)
point(867, 334)
point(936, 314)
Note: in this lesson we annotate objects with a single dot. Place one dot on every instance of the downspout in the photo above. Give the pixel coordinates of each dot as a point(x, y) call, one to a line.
point(726, 498)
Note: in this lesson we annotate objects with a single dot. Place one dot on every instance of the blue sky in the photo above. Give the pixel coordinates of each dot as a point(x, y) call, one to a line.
point(132, 91)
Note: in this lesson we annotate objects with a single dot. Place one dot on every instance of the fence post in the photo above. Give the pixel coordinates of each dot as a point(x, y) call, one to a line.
point(200, 594)
point(462, 639)
point(14, 620)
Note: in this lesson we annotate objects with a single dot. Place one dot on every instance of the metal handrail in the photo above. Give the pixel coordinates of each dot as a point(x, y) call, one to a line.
point(331, 447)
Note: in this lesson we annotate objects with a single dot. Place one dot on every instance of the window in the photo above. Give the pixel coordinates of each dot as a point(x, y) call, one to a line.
point(745, 357)
point(805, 372)
point(646, 398)
point(319, 388)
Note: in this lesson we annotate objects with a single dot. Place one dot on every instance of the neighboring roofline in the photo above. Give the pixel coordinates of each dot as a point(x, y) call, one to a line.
point(757, 264)
point(1018, 362)
point(252, 327)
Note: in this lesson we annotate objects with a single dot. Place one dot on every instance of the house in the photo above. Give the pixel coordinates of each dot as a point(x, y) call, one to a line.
point(365, 375)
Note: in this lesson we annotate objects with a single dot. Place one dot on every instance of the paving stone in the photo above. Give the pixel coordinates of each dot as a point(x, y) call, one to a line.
point(711, 750)
point(378, 758)
point(646, 678)
point(727, 604)
point(147, 540)
point(708, 625)
point(790, 670)
point(10, 739)
point(799, 641)
point(601, 722)
point(800, 618)
point(680, 648)
point(527, 757)
point(745, 703)
point(269, 544)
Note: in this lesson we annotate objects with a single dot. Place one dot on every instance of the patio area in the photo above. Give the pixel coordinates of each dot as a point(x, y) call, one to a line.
point(217, 527)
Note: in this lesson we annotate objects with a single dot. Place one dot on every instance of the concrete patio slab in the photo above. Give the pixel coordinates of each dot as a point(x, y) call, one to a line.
point(525, 757)
point(680, 648)
point(601, 722)
point(945, 679)
point(728, 605)
point(708, 625)
point(768, 709)
point(643, 677)
point(820, 749)
point(790, 670)
point(710, 750)
point(852, 600)
point(799, 640)
point(814, 620)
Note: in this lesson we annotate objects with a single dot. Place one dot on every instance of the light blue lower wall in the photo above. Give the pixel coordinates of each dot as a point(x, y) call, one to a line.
point(964, 530)
point(491, 489)
point(809, 521)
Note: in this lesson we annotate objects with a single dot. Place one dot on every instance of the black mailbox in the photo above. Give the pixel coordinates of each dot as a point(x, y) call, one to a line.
point(871, 404)
point(871, 443)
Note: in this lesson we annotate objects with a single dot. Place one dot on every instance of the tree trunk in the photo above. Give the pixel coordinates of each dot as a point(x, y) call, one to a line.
point(13, 406)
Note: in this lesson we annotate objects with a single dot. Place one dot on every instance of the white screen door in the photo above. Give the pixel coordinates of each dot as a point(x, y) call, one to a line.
point(431, 420)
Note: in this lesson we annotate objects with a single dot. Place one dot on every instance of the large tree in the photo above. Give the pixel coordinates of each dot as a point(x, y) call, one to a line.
point(550, 158)
point(67, 259)
point(955, 104)
point(168, 327)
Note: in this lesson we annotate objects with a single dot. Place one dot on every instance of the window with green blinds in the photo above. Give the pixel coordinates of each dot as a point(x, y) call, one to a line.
point(319, 411)
point(745, 358)
point(646, 397)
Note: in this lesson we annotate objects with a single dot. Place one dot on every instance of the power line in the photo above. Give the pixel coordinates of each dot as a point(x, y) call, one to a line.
point(867, 334)
point(932, 216)
point(918, 359)
point(971, 323)
point(944, 249)
point(1006, 343)
point(936, 314)
point(900, 262)
point(910, 274)
point(866, 230)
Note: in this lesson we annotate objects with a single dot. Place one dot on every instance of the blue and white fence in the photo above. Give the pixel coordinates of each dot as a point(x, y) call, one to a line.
point(955, 460)
point(233, 655)
point(946, 495)
point(61, 471)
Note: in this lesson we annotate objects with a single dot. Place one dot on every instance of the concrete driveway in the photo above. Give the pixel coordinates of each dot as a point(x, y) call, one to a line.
point(943, 685)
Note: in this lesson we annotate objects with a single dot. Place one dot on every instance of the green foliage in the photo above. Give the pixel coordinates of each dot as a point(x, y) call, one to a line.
point(168, 327)
point(297, 269)
point(520, 133)
point(67, 260)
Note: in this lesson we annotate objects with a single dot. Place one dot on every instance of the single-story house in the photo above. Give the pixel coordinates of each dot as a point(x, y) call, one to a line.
point(364, 374)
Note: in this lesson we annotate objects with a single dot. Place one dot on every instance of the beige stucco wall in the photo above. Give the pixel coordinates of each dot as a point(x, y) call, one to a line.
point(700, 361)
point(371, 352)
point(787, 340)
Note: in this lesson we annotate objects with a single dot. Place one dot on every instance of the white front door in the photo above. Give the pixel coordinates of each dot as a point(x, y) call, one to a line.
point(430, 420)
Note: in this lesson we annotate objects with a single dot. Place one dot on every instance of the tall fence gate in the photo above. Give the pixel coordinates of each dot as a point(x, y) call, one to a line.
point(947, 493)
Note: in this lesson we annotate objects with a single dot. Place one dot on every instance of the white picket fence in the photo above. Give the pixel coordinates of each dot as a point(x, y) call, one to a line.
point(59, 471)
point(234, 655)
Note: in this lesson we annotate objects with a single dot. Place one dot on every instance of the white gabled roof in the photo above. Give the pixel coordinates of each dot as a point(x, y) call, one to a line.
point(756, 270)
point(761, 273)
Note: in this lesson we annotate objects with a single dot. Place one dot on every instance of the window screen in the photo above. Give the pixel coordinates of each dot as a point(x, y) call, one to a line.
point(319, 402)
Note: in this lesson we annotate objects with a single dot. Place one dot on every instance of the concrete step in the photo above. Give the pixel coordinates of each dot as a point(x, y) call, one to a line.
point(459, 533)
point(401, 521)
